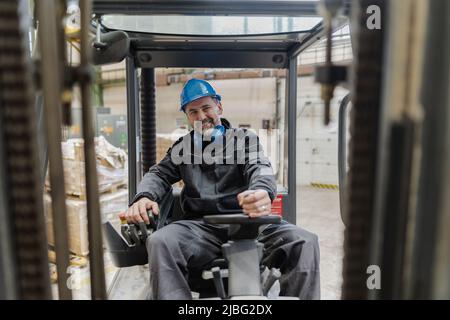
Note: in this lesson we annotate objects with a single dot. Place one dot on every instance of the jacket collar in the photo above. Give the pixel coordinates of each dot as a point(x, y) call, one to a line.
point(225, 123)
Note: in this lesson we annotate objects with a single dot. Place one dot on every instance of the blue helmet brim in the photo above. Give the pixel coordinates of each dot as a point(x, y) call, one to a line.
point(217, 96)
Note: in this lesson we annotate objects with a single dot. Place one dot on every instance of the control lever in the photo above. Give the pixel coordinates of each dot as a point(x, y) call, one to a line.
point(273, 276)
point(134, 234)
point(137, 234)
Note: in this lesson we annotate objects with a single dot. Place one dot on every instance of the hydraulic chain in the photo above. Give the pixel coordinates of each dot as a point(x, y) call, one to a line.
point(18, 129)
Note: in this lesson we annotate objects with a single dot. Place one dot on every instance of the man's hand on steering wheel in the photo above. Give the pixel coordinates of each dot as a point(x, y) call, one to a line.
point(255, 203)
point(138, 211)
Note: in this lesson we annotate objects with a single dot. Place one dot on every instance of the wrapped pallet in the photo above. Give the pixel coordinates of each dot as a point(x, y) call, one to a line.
point(112, 174)
point(111, 166)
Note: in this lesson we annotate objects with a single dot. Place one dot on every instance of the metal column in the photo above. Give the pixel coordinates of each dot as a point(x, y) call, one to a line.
point(430, 257)
point(134, 158)
point(291, 138)
point(148, 118)
point(96, 263)
point(51, 53)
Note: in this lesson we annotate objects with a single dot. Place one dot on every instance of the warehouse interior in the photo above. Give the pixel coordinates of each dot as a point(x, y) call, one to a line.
point(351, 99)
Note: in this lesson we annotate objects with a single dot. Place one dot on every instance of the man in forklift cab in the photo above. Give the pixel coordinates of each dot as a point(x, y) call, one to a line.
point(247, 186)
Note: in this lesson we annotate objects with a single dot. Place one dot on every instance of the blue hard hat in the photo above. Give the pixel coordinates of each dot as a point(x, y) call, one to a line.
point(195, 89)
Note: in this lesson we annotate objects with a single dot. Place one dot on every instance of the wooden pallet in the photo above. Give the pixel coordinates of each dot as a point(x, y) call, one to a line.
point(53, 273)
point(111, 189)
point(75, 260)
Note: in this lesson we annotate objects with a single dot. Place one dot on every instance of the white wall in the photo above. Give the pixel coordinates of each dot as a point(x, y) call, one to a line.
point(116, 99)
point(317, 145)
point(242, 99)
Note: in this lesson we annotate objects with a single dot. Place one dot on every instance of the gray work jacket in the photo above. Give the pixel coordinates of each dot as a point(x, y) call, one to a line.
point(211, 188)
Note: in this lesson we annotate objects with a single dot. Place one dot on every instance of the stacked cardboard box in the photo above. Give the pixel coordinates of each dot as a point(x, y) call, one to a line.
point(110, 205)
point(163, 144)
point(112, 177)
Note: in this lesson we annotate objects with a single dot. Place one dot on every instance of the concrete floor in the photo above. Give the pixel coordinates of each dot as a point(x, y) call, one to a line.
point(318, 211)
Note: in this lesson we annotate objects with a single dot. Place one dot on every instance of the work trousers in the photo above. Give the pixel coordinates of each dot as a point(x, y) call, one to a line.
point(193, 244)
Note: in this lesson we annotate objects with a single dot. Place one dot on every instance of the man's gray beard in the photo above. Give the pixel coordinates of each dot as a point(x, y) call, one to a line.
point(207, 133)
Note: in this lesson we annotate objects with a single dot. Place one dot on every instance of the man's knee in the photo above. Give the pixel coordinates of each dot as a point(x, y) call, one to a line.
point(161, 239)
point(293, 233)
point(302, 246)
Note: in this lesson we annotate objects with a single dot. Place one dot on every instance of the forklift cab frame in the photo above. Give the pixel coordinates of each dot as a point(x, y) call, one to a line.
point(149, 50)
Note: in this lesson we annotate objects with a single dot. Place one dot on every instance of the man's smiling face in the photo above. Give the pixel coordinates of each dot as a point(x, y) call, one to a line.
point(206, 110)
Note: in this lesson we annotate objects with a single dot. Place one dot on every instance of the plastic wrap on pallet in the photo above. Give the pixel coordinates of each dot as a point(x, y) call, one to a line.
point(111, 166)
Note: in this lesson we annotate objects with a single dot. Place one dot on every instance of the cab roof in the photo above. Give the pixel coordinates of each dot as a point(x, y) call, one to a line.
point(227, 34)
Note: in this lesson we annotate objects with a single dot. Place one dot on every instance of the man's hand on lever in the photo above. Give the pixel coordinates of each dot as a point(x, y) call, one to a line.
point(138, 211)
point(255, 203)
